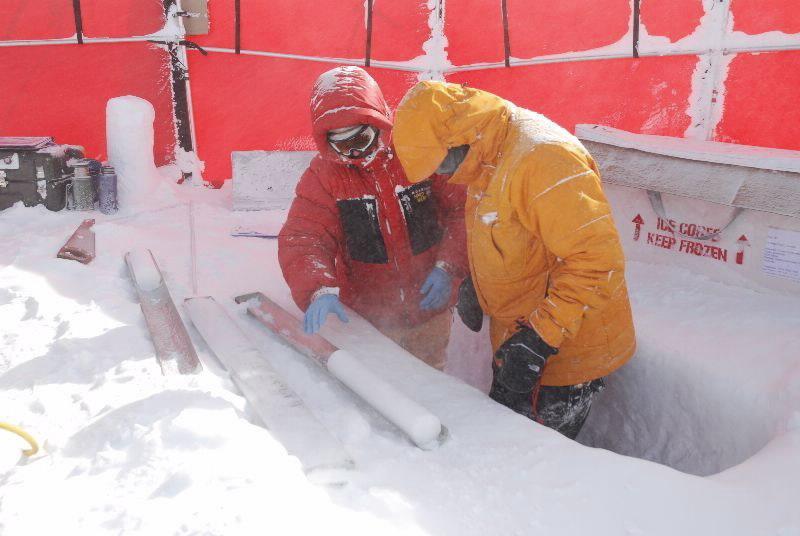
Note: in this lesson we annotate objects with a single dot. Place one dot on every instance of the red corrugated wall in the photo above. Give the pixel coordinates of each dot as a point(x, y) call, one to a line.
point(247, 101)
point(252, 102)
point(62, 90)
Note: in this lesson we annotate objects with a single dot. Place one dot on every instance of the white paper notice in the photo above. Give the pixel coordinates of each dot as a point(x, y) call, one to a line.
point(782, 254)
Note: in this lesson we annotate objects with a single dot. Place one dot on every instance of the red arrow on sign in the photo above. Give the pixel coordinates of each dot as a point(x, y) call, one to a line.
point(741, 243)
point(639, 222)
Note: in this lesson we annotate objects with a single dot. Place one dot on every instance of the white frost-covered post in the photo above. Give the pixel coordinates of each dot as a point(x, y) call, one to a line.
point(129, 139)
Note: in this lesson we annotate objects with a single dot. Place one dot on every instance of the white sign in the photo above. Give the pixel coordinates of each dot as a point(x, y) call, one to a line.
point(782, 254)
point(10, 161)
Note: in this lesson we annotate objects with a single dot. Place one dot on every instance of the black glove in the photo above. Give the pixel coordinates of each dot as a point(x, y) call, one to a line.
point(519, 362)
point(468, 307)
point(522, 403)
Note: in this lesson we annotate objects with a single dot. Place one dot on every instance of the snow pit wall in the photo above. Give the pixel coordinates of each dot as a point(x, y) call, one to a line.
point(715, 377)
point(705, 84)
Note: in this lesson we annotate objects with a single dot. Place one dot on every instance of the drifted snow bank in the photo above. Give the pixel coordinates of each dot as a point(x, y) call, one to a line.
point(126, 450)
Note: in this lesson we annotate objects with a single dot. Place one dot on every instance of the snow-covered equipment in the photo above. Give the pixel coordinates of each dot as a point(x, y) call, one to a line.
point(268, 225)
point(174, 349)
point(80, 189)
point(195, 16)
point(34, 170)
point(421, 426)
point(130, 136)
point(107, 189)
point(251, 233)
point(278, 407)
point(264, 180)
point(729, 211)
point(80, 246)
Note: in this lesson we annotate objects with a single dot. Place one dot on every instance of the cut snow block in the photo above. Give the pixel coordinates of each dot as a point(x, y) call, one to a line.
point(265, 180)
point(279, 408)
point(174, 349)
point(424, 428)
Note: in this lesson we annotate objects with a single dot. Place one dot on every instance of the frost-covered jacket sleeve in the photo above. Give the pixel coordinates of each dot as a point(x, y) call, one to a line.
point(563, 203)
point(310, 240)
point(450, 199)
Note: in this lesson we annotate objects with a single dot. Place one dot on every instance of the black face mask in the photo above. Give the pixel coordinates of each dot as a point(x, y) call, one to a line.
point(455, 156)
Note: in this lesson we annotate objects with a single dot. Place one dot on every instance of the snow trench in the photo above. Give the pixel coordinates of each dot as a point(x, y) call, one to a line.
point(700, 395)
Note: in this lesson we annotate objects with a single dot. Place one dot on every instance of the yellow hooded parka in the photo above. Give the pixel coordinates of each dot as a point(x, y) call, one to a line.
point(542, 244)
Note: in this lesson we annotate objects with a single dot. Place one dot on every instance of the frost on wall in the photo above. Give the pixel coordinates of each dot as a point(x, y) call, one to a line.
point(713, 40)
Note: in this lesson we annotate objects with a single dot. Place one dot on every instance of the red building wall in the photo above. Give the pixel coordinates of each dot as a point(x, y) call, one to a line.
point(62, 90)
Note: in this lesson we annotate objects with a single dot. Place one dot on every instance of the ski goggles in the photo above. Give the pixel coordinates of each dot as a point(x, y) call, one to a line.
point(353, 142)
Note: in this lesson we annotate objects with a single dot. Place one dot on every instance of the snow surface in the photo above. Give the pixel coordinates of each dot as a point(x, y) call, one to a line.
point(127, 450)
point(278, 407)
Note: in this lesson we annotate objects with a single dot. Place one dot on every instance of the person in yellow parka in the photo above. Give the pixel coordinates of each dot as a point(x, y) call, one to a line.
point(545, 258)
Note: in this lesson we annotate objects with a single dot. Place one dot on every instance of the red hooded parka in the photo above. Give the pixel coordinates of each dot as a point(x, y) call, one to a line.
point(360, 225)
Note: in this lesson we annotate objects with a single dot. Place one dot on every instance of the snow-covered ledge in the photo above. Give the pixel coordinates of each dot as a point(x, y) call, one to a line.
point(757, 178)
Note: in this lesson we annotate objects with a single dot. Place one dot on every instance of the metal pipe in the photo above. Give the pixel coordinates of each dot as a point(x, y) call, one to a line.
point(193, 249)
point(544, 60)
point(506, 38)
point(76, 10)
point(86, 40)
point(368, 49)
point(636, 25)
point(398, 66)
point(540, 60)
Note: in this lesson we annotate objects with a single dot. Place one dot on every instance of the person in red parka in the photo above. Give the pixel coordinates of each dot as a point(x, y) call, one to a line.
point(359, 233)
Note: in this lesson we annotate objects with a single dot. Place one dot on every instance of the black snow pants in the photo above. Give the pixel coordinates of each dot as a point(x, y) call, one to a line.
point(563, 408)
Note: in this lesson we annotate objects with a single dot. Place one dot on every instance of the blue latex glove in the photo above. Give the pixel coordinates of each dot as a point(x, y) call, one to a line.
point(318, 311)
point(437, 288)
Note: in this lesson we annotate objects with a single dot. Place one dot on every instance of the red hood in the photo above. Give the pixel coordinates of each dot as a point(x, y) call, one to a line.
point(347, 96)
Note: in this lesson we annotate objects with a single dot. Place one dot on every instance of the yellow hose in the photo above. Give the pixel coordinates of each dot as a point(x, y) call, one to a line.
point(24, 435)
